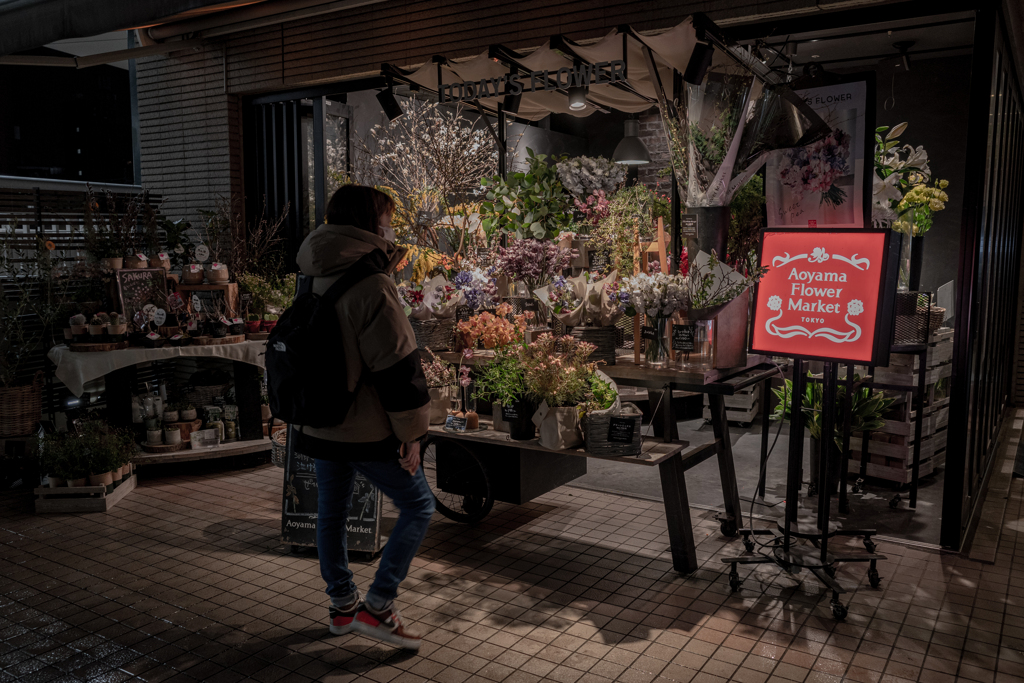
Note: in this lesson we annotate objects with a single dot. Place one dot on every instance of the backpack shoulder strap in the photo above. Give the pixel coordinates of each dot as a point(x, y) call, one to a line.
point(363, 268)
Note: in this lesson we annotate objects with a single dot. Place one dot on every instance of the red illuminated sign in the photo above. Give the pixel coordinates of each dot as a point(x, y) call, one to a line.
point(822, 295)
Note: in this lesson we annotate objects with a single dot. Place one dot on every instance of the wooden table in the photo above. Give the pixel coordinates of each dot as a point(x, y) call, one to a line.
point(500, 454)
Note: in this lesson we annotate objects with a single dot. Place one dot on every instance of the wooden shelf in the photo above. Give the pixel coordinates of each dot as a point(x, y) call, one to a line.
point(225, 450)
point(230, 290)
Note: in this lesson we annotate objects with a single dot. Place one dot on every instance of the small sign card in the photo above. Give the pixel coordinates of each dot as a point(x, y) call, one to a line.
point(192, 326)
point(455, 424)
point(684, 338)
point(509, 413)
point(159, 316)
point(597, 260)
point(202, 253)
point(194, 268)
point(688, 225)
point(141, 257)
point(153, 335)
point(649, 333)
point(225, 320)
point(530, 305)
point(620, 429)
point(163, 256)
point(236, 321)
point(176, 337)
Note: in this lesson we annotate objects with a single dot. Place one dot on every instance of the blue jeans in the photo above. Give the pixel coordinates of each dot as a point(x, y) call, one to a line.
point(415, 503)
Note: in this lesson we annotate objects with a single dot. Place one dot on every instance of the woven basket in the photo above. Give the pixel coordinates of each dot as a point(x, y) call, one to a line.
point(202, 396)
point(601, 337)
point(21, 408)
point(936, 317)
point(595, 432)
point(279, 447)
point(437, 333)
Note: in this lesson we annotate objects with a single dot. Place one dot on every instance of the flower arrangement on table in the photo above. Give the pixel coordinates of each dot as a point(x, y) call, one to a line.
point(557, 369)
point(656, 296)
point(493, 331)
point(532, 262)
point(711, 283)
point(441, 382)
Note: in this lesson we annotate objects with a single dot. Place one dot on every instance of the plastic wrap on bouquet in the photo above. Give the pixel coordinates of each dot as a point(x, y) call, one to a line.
point(434, 304)
point(601, 310)
point(570, 318)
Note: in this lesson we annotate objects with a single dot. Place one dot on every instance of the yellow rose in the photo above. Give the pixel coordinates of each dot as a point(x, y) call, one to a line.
point(943, 184)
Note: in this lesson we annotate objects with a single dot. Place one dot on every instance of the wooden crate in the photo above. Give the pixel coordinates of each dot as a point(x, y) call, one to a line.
point(900, 451)
point(741, 414)
point(742, 406)
point(71, 499)
point(895, 471)
point(229, 290)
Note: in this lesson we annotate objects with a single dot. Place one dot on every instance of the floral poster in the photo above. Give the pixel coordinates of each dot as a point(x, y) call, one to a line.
point(822, 185)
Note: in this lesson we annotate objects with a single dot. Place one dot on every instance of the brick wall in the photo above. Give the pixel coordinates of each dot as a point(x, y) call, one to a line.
point(189, 103)
point(652, 132)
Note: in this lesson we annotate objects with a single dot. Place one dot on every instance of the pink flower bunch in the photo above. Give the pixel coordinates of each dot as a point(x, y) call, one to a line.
point(594, 209)
point(493, 331)
point(533, 261)
point(438, 373)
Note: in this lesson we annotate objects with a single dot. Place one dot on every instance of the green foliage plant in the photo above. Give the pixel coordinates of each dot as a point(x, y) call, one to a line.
point(532, 204)
point(632, 211)
point(503, 379)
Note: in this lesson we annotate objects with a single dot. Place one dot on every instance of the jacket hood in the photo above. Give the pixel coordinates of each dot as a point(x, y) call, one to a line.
point(331, 249)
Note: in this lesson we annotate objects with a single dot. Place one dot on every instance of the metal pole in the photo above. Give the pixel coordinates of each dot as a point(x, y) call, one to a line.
point(796, 450)
point(828, 431)
point(844, 457)
point(922, 376)
point(766, 392)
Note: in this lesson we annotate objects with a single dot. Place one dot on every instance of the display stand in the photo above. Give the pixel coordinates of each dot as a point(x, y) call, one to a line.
point(783, 549)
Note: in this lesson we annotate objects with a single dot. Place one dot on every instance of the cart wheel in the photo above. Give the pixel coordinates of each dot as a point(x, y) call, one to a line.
point(858, 486)
point(812, 490)
point(748, 543)
point(839, 610)
point(460, 486)
point(874, 578)
point(869, 545)
point(735, 582)
point(895, 501)
point(728, 528)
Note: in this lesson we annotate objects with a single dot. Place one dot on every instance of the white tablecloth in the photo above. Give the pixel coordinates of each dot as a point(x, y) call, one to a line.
point(75, 368)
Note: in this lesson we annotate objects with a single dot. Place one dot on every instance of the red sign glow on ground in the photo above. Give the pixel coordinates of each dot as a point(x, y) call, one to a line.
point(820, 296)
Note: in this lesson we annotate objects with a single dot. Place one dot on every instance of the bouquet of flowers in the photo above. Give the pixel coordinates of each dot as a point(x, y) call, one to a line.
point(479, 289)
point(816, 167)
point(565, 297)
point(493, 331)
point(562, 296)
point(656, 296)
point(585, 176)
point(603, 300)
point(533, 262)
point(712, 283)
point(560, 377)
point(439, 373)
point(595, 209)
point(435, 298)
point(901, 194)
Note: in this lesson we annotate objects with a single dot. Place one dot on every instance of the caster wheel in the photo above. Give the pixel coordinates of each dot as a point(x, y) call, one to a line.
point(812, 490)
point(874, 578)
point(839, 611)
point(895, 501)
point(869, 545)
point(735, 582)
point(748, 543)
point(728, 528)
point(858, 486)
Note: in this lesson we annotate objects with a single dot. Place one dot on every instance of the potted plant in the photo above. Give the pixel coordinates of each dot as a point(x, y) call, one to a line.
point(193, 274)
point(186, 412)
point(79, 327)
point(252, 323)
point(136, 261)
point(557, 371)
point(236, 328)
point(172, 435)
point(64, 458)
point(265, 414)
point(440, 376)
point(269, 322)
point(170, 414)
point(218, 273)
point(117, 327)
point(503, 381)
point(97, 328)
point(657, 297)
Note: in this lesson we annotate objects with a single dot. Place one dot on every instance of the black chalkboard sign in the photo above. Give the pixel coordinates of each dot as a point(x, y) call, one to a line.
point(509, 412)
point(688, 225)
point(597, 261)
point(141, 287)
point(649, 333)
point(620, 429)
point(455, 424)
point(530, 305)
point(299, 507)
point(684, 338)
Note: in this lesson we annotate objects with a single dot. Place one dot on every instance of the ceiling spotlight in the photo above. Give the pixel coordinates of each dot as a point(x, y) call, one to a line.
point(578, 97)
point(392, 109)
point(904, 47)
point(631, 150)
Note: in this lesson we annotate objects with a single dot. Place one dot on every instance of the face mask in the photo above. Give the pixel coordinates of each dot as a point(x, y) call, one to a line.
point(387, 233)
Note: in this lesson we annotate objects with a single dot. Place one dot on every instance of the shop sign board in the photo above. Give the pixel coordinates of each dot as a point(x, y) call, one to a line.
point(535, 81)
point(827, 295)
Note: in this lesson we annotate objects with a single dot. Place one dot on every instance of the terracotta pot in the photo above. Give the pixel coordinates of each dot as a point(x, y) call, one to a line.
point(268, 325)
point(104, 479)
point(217, 275)
point(187, 415)
point(252, 326)
point(112, 263)
point(77, 482)
point(56, 481)
point(135, 262)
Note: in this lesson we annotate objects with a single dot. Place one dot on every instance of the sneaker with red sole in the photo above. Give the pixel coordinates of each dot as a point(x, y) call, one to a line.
point(343, 618)
point(386, 627)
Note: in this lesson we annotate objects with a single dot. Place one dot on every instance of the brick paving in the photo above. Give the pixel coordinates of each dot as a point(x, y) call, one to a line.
point(186, 580)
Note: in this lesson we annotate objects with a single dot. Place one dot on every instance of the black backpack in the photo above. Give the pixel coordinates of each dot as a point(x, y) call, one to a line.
point(307, 379)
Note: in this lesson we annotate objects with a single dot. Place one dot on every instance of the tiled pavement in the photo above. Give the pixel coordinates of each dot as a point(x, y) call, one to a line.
point(186, 580)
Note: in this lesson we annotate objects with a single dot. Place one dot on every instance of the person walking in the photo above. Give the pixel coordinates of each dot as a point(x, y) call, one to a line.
point(390, 412)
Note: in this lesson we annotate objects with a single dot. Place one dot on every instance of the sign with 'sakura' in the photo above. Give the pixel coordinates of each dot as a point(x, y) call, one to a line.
point(820, 297)
point(535, 81)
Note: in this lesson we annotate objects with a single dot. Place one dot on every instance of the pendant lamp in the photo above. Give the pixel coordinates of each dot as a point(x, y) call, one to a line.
point(631, 150)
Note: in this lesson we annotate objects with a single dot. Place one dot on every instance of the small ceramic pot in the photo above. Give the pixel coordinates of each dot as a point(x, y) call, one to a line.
point(79, 332)
point(187, 415)
point(117, 331)
point(170, 416)
point(154, 343)
point(135, 262)
point(112, 263)
point(154, 437)
point(236, 328)
point(68, 334)
point(217, 275)
point(172, 437)
point(103, 479)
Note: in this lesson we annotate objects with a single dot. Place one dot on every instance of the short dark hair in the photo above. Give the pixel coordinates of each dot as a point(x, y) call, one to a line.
point(360, 206)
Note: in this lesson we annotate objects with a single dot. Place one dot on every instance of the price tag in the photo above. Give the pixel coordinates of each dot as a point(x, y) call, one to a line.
point(650, 333)
point(202, 253)
point(246, 298)
point(236, 321)
point(176, 337)
point(192, 326)
point(153, 335)
point(193, 268)
point(141, 257)
point(159, 316)
point(149, 310)
point(688, 225)
point(684, 338)
point(620, 429)
point(197, 304)
point(163, 256)
point(225, 320)
point(455, 424)
point(217, 266)
point(509, 413)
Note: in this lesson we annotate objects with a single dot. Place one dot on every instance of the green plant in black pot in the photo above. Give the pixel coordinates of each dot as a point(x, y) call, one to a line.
point(503, 380)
